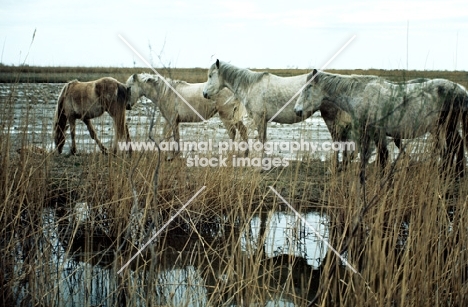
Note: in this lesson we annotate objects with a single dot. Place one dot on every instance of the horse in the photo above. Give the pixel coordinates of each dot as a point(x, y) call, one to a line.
point(402, 110)
point(339, 122)
point(88, 100)
point(175, 110)
point(264, 94)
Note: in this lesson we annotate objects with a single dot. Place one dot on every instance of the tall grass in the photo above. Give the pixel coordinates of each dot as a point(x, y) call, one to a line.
point(409, 245)
point(71, 223)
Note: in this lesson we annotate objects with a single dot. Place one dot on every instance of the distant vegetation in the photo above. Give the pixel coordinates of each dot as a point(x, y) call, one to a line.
point(38, 74)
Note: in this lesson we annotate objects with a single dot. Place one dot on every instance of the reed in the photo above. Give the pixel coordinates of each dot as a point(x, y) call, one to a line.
point(72, 222)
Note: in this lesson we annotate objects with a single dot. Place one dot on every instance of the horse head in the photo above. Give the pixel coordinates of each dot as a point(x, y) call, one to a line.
point(129, 98)
point(214, 83)
point(311, 95)
point(134, 87)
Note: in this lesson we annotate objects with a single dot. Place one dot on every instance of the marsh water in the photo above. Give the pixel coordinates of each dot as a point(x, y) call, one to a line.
point(34, 107)
point(30, 122)
point(181, 282)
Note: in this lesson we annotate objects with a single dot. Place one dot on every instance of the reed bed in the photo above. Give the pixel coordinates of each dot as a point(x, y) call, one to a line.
point(71, 223)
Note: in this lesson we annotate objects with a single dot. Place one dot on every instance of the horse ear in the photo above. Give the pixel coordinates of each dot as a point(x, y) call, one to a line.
point(217, 63)
point(135, 77)
point(315, 75)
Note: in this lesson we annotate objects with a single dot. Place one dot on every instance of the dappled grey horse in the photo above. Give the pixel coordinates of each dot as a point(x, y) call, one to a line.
point(401, 110)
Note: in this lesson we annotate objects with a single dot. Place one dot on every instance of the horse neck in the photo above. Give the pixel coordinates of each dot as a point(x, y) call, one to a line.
point(343, 89)
point(155, 92)
point(239, 80)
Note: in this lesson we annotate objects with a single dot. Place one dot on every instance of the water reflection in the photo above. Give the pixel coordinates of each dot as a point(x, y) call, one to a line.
point(180, 268)
point(287, 234)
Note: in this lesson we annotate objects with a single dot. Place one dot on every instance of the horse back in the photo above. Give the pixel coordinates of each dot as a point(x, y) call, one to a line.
point(106, 89)
point(109, 91)
point(91, 99)
point(80, 92)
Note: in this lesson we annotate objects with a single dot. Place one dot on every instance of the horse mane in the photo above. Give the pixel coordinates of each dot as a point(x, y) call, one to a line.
point(238, 76)
point(145, 77)
point(343, 84)
point(162, 87)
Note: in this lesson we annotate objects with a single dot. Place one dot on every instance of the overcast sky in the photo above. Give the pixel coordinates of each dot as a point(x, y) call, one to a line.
point(422, 35)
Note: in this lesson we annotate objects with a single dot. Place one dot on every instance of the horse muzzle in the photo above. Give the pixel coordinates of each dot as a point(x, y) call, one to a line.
point(206, 95)
point(298, 112)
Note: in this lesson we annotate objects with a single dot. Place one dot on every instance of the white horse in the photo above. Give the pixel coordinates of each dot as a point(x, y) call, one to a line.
point(264, 94)
point(175, 110)
point(401, 110)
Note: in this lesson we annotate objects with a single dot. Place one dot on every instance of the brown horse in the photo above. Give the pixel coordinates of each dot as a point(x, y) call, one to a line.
point(87, 100)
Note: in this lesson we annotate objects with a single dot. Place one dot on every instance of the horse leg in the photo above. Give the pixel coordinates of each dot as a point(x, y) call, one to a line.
point(336, 137)
point(460, 166)
point(464, 141)
point(465, 128)
point(60, 135)
point(262, 129)
point(121, 130)
point(176, 135)
point(343, 137)
point(243, 133)
point(122, 134)
point(365, 153)
point(125, 134)
point(172, 125)
point(177, 132)
point(381, 144)
point(397, 142)
point(59, 131)
point(242, 130)
point(454, 149)
point(230, 128)
point(167, 131)
point(93, 134)
point(72, 121)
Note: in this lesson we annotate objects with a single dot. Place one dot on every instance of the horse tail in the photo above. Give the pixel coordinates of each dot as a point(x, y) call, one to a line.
point(60, 120)
point(122, 103)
